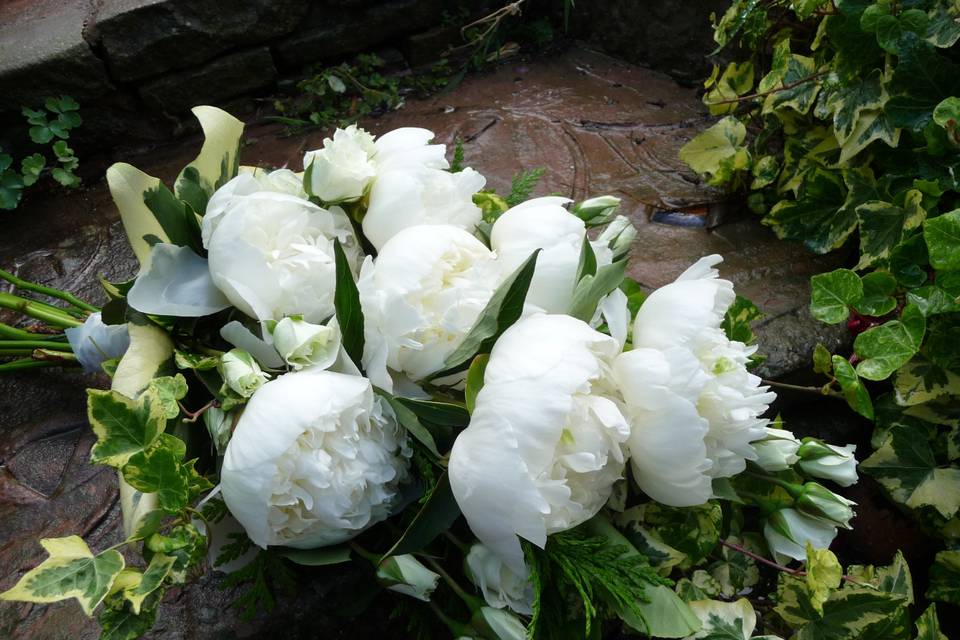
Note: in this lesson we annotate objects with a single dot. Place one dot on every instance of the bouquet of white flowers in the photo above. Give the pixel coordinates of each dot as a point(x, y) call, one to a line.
point(335, 365)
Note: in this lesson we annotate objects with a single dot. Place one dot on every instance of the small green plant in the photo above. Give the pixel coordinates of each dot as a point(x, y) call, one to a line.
point(51, 123)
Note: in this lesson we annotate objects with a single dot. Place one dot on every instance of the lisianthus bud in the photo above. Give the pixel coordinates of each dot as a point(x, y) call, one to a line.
point(788, 531)
point(597, 211)
point(822, 460)
point(618, 236)
point(501, 587)
point(497, 624)
point(241, 372)
point(302, 344)
point(776, 451)
point(93, 342)
point(818, 501)
point(404, 574)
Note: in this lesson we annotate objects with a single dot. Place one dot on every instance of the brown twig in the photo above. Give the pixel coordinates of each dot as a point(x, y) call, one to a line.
point(798, 573)
point(192, 416)
point(761, 94)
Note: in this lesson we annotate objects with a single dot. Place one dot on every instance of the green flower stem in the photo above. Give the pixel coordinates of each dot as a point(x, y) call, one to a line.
point(51, 315)
point(473, 603)
point(35, 344)
point(26, 363)
point(458, 629)
point(13, 333)
point(26, 351)
point(61, 357)
point(459, 544)
point(47, 291)
point(793, 489)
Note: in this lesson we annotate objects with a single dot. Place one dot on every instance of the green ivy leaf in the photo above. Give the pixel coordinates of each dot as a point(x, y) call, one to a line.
point(906, 467)
point(942, 235)
point(853, 390)
point(70, 571)
point(833, 293)
point(886, 348)
point(921, 79)
point(159, 469)
point(878, 289)
point(945, 578)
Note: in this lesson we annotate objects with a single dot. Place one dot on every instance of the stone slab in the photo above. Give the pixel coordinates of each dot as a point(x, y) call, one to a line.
point(228, 77)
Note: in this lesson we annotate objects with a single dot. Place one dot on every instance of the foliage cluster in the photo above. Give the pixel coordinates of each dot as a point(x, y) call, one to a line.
point(840, 120)
point(51, 123)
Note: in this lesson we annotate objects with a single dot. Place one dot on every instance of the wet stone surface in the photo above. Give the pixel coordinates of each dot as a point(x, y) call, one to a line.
point(597, 126)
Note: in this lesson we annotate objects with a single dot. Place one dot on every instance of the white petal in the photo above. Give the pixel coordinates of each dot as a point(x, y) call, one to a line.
point(177, 283)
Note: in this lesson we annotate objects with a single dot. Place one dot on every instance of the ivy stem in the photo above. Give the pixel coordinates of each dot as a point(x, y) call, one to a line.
point(820, 391)
point(799, 573)
point(39, 310)
point(472, 602)
point(192, 416)
point(47, 291)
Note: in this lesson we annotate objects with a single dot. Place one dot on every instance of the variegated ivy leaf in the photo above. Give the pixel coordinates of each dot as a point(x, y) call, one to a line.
point(124, 427)
point(718, 153)
point(886, 348)
point(794, 76)
point(119, 622)
point(169, 391)
point(823, 576)
point(922, 380)
point(943, 24)
point(736, 571)
point(699, 586)
point(872, 125)
point(928, 625)
point(765, 172)
point(894, 578)
point(906, 467)
point(846, 101)
point(661, 556)
point(70, 571)
point(883, 225)
point(921, 79)
point(146, 583)
point(184, 543)
point(852, 388)
point(736, 80)
point(694, 531)
point(833, 293)
point(724, 620)
point(945, 578)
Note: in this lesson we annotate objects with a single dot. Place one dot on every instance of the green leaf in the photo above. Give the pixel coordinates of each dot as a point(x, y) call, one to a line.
point(878, 289)
point(70, 571)
point(160, 470)
point(886, 348)
point(635, 294)
point(321, 557)
point(151, 580)
point(833, 293)
point(178, 221)
point(945, 578)
point(436, 515)
point(408, 419)
point(942, 235)
point(123, 624)
point(41, 134)
point(906, 467)
point(346, 300)
point(591, 289)
point(123, 427)
point(928, 625)
point(503, 309)
point(822, 362)
point(853, 390)
point(475, 380)
point(823, 575)
point(31, 167)
point(588, 260)
point(921, 79)
point(523, 184)
point(718, 152)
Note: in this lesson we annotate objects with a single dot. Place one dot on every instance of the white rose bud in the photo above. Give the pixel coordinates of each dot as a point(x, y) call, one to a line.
point(501, 587)
point(776, 451)
point(94, 342)
point(545, 443)
point(314, 460)
point(597, 211)
point(302, 344)
point(342, 170)
point(693, 406)
point(818, 501)
point(404, 574)
point(822, 460)
point(271, 254)
point(788, 531)
point(241, 372)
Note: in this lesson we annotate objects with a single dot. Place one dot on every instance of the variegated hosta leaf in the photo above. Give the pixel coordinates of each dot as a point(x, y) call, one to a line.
point(218, 161)
point(127, 186)
point(70, 571)
point(906, 467)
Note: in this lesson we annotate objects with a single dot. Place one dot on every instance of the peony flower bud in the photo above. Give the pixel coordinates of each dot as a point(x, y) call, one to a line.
point(818, 501)
point(241, 372)
point(500, 586)
point(94, 342)
point(302, 344)
point(597, 211)
point(776, 451)
point(788, 531)
point(342, 170)
point(405, 574)
point(822, 460)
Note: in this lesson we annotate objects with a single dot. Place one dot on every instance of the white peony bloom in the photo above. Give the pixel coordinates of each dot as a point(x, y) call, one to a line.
point(545, 442)
point(700, 422)
point(344, 167)
point(501, 587)
point(93, 342)
point(788, 531)
point(404, 196)
point(313, 461)
point(421, 297)
point(271, 253)
point(241, 373)
point(543, 223)
point(777, 450)
point(279, 180)
point(822, 460)
point(302, 344)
